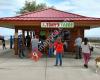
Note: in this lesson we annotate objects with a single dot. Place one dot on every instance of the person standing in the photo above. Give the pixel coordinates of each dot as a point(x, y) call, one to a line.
point(78, 42)
point(50, 52)
point(11, 42)
point(28, 41)
point(59, 51)
point(20, 47)
point(86, 52)
point(65, 46)
point(3, 44)
point(36, 54)
point(34, 42)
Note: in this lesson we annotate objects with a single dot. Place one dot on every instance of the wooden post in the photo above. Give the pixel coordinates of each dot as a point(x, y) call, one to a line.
point(31, 39)
point(47, 33)
point(75, 32)
point(37, 32)
point(16, 42)
point(23, 38)
point(82, 32)
point(79, 32)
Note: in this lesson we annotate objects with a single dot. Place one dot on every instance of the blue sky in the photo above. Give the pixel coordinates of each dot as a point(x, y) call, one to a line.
point(89, 8)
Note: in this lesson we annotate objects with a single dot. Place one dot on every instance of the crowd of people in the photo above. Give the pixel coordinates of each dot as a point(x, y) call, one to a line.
point(82, 47)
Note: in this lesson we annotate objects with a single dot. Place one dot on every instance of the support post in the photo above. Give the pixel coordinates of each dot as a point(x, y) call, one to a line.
point(16, 42)
point(23, 38)
point(31, 39)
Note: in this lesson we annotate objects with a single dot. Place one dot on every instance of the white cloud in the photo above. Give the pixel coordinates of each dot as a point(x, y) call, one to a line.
point(7, 8)
point(13, 6)
point(82, 7)
point(87, 7)
point(65, 6)
point(6, 5)
point(92, 32)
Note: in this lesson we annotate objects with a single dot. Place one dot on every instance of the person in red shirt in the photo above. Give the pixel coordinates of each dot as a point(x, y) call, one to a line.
point(59, 51)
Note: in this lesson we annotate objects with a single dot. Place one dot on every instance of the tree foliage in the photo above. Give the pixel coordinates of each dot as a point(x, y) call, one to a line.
point(31, 6)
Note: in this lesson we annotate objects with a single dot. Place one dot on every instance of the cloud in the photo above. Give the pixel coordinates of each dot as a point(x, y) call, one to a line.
point(94, 32)
point(65, 6)
point(4, 5)
point(6, 31)
point(87, 7)
point(5, 2)
point(9, 8)
point(82, 7)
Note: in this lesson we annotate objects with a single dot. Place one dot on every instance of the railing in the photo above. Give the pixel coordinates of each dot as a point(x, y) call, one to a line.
point(96, 45)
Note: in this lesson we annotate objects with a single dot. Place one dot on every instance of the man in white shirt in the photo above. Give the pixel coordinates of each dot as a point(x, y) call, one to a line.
point(34, 42)
point(78, 42)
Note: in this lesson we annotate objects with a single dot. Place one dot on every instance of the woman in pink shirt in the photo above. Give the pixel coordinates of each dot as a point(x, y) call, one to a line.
point(86, 52)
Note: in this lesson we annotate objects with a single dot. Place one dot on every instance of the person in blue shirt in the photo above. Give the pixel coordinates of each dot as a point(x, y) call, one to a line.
point(20, 47)
point(78, 42)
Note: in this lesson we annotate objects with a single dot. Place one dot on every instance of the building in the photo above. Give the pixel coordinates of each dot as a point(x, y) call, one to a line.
point(48, 20)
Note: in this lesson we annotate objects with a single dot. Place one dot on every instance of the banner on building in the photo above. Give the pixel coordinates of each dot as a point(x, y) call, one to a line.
point(57, 24)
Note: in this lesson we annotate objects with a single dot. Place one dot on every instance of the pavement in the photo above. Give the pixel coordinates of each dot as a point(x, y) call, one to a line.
point(14, 68)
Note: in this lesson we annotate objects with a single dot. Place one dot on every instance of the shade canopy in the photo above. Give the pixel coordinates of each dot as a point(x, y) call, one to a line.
point(48, 15)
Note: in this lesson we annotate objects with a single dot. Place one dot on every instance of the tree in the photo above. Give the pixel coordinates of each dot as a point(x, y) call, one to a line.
point(31, 6)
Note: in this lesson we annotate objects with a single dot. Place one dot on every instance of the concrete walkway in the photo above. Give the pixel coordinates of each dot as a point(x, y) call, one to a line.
point(13, 68)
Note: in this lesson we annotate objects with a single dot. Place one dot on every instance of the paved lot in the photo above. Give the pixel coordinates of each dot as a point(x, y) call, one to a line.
point(13, 68)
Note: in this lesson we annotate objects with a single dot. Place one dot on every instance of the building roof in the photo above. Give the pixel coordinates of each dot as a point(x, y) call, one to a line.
point(49, 14)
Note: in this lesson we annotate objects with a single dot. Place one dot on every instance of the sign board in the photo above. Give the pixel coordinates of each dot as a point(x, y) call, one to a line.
point(57, 24)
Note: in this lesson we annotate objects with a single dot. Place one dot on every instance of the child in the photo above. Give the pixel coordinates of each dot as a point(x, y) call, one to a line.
point(86, 52)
